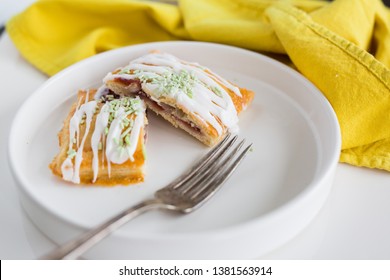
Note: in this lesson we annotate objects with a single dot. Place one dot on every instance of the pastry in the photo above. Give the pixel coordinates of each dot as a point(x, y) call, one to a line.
point(102, 140)
point(188, 95)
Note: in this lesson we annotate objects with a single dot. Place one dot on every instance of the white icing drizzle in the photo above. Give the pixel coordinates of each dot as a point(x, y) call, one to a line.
point(194, 87)
point(120, 140)
point(67, 169)
point(98, 137)
point(88, 111)
point(71, 172)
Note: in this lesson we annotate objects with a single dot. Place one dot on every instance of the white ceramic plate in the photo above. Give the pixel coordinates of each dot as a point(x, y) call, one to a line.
point(274, 194)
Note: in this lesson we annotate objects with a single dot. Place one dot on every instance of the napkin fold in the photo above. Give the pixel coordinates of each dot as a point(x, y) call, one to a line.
point(343, 47)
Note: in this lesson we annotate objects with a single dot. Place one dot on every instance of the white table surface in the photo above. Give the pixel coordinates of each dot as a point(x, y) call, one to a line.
point(353, 224)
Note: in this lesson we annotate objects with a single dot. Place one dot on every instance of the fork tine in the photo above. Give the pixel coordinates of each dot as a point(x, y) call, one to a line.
point(206, 168)
point(216, 183)
point(204, 162)
point(198, 183)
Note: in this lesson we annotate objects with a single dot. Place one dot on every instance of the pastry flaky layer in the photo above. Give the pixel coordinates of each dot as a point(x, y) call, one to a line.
point(102, 141)
point(188, 95)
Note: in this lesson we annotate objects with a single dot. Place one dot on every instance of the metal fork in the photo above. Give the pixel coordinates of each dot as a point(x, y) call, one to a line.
point(185, 194)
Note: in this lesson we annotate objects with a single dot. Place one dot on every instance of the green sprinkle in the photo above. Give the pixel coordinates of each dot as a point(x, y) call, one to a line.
point(124, 71)
point(217, 91)
point(127, 139)
point(125, 122)
point(106, 131)
point(144, 151)
point(71, 153)
point(126, 132)
point(171, 83)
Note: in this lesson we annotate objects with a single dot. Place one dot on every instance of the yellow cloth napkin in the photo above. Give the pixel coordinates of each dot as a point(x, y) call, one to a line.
point(343, 47)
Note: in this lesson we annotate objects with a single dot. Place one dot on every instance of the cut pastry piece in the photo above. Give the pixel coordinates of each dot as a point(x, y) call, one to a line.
point(102, 141)
point(186, 94)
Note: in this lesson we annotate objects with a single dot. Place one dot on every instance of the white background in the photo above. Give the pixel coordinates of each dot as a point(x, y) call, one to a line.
point(11, 7)
point(302, 270)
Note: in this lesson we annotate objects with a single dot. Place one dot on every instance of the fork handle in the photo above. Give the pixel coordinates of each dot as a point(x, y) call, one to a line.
point(75, 248)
